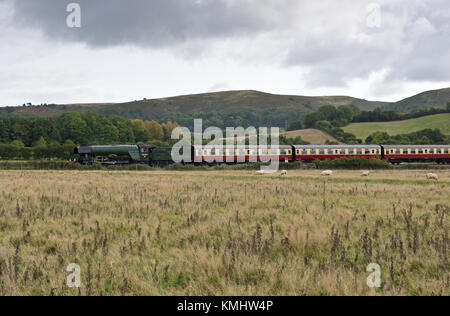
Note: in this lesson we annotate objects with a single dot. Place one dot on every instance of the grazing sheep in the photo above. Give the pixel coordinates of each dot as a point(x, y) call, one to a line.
point(365, 174)
point(260, 172)
point(284, 173)
point(432, 176)
point(327, 173)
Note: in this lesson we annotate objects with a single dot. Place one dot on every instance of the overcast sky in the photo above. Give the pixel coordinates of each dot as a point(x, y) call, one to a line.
point(133, 49)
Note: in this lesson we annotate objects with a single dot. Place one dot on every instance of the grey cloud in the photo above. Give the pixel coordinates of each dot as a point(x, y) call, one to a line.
point(151, 23)
point(412, 43)
point(329, 38)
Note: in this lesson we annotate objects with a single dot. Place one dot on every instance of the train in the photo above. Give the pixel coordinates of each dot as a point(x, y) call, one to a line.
point(210, 155)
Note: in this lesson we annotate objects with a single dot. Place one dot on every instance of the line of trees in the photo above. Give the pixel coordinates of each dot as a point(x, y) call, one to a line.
point(379, 115)
point(56, 137)
point(423, 137)
point(81, 128)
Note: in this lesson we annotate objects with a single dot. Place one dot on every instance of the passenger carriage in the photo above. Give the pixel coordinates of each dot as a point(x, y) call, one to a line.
point(241, 154)
point(417, 153)
point(311, 152)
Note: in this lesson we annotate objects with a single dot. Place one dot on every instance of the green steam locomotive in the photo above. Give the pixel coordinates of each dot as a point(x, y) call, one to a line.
point(124, 155)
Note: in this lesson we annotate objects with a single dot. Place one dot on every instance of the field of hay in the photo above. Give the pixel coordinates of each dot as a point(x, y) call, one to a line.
point(223, 233)
point(313, 136)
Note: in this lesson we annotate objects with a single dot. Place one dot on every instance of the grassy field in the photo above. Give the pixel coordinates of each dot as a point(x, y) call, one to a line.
point(439, 121)
point(223, 233)
point(313, 136)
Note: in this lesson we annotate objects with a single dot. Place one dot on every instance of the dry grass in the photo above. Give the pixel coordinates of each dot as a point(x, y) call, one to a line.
point(313, 136)
point(223, 233)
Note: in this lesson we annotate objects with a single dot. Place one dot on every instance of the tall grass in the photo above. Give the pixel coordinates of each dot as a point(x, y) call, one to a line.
point(158, 234)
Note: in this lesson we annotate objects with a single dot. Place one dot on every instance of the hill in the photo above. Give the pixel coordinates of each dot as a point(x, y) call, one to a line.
point(229, 108)
point(439, 121)
point(428, 99)
point(313, 136)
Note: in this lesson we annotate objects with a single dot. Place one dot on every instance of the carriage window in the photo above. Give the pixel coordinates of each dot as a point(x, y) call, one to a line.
point(322, 152)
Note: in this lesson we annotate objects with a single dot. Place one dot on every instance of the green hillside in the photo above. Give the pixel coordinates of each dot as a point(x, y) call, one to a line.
point(230, 108)
point(428, 99)
point(439, 121)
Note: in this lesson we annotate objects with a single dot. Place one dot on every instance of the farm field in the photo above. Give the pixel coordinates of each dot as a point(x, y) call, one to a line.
point(313, 136)
point(223, 232)
point(438, 121)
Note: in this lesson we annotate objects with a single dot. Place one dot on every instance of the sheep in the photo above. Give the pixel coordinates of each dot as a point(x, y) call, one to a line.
point(365, 174)
point(284, 173)
point(432, 176)
point(260, 172)
point(327, 173)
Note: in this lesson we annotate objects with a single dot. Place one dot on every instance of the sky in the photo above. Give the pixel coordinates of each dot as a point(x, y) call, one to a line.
point(128, 50)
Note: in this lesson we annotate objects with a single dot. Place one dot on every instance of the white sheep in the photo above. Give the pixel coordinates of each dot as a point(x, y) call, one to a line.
point(365, 174)
point(284, 173)
point(432, 176)
point(327, 173)
point(260, 172)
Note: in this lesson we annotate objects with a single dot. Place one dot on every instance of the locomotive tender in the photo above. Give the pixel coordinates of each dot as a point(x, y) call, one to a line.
point(162, 156)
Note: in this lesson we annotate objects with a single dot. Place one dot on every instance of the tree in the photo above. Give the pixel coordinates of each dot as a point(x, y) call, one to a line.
point(141, 134)
point(4, 131)
point(311, 119)
point(378, 138)
point(448, 107)
point(74, 127)
point(168, 129)
point(17, 143)
point(155, 130)
point(40, 142)
point(323, 125)
point(125, 129)
point(295, 125)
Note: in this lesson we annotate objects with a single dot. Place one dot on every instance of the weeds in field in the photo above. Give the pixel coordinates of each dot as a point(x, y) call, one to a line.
point(136, 234)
